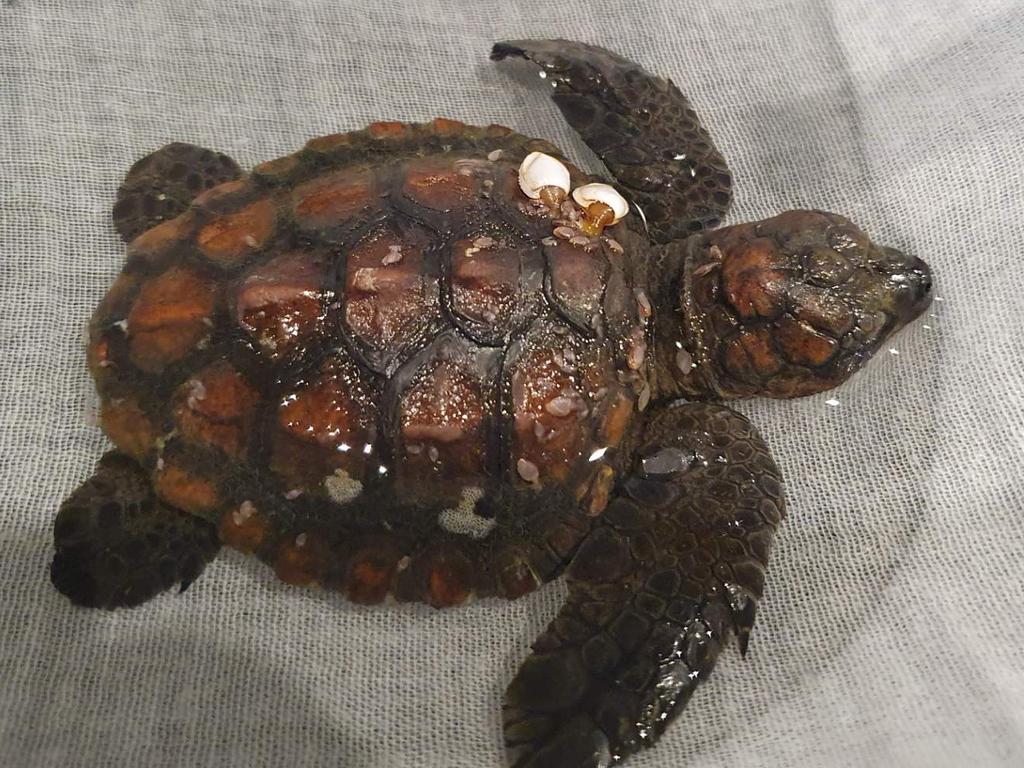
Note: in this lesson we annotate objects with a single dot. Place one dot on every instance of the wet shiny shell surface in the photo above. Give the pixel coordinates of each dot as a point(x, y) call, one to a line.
point(372, 333)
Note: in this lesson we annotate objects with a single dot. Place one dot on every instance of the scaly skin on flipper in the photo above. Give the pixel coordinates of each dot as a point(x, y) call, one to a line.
point(118, 545)
point(162, 184)
point(673, 570)
point(642, 127)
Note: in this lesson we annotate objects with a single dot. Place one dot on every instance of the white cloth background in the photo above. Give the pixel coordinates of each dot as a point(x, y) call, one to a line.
point(891, 632)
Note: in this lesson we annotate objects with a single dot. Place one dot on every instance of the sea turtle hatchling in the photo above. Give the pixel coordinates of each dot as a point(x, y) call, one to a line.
point(433, 361)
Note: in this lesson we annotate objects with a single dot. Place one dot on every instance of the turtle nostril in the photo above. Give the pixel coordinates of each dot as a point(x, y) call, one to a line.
point(923, 273)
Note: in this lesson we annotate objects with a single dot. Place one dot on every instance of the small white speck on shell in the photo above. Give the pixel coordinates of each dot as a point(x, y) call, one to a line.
point(527, 470)
point(684, 361)
point(393, 256)
point(643, 303)
point(249, 240)
point(245, 510)
point(644, 399)
point(294, 493)
point(565, 233)
point(637, 353)
point(301, 539)
point(559, 406)
point(494, 154)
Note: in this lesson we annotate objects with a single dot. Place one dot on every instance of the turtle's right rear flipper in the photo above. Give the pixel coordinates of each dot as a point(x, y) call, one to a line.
point(118, 545)
point(642, 127)
point(672, 571)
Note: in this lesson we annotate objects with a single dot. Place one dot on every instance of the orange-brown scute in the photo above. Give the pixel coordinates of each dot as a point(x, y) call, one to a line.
point(485, 281)
point(449, 577)
point(332, 200)
point(216, 408)
point(300, 562)
point(391, 295)
point(171, 314)
point(803, 345)
point(243, 528)
point(185, 488)
point(370, 574)
point(229, 238)
point(158, 240)
point(282, 302)
point(437, 183)
point(753, 285)
point(443, 415)
point(389, 129)
point(128, 427)
point(750, 356)
point(325, 424)
point(549, 435)
point(577, 281)
point(222, 193)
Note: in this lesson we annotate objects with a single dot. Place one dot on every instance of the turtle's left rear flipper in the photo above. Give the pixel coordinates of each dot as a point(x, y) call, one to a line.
point(162, 185)
point(674, 569)
point(642, 127)
point(117, 545)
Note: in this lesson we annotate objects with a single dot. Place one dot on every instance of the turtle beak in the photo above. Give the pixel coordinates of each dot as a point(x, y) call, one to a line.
point(913, 285)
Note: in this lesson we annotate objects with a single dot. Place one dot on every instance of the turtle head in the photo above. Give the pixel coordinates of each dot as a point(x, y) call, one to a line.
point(789, 306)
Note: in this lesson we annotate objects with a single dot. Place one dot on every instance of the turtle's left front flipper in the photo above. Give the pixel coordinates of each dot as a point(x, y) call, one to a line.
point(642, 127)
point(674, 569)
point(164, 183)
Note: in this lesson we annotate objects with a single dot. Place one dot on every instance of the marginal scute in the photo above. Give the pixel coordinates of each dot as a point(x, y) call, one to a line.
point(438, 185)
point(333, 203)
point(170, 316)
point(128, 426)
point(230, 238)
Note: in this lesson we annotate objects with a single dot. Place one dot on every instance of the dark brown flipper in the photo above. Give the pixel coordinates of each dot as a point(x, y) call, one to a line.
point(642, 127)
point(673, 570)
point(116, 545)
point(162, 184)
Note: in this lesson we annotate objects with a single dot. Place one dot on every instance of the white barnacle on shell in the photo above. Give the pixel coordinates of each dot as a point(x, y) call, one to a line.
point(589, 194)
point(538, 171)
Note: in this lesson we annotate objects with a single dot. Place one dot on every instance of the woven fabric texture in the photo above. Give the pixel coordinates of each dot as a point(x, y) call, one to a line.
point(891, 629)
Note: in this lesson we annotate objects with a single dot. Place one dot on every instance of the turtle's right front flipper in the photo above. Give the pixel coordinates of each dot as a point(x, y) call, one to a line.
point(642, 127)
point(673, 570)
